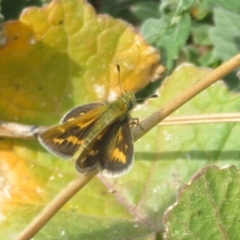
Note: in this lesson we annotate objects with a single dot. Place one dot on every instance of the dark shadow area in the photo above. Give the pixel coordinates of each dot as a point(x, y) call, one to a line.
point(11, 9)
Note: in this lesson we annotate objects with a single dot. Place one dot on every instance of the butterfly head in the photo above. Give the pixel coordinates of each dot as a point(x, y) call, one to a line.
point(129, 100)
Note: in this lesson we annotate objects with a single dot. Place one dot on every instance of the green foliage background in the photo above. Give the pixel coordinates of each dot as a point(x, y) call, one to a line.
point(205, 33)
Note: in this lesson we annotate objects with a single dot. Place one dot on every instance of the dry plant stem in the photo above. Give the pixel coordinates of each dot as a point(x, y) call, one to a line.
point(147, 124)
point(17, 130)
point(203, 118)
point(57, 203)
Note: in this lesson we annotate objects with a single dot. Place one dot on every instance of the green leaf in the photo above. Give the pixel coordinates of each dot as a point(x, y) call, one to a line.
point(233, 5)
point(145, 10)
point(153, 29)
point(200, 10)
point(168, 35)
point(206, 207)
point(208, 59)
point(200, 33)
point(225, 34)
point(184, 6)
point(178, 6)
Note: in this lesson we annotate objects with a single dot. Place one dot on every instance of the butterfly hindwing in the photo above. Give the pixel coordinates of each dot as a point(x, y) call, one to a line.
point(112, 150)
point(118, 157)
point(64, 139)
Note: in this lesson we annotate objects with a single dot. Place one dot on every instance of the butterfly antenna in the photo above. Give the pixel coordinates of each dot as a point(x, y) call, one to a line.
point(119, 79)
point(152, 96)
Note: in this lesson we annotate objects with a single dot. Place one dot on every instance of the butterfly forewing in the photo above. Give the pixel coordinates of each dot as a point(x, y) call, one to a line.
point(79, 111)
point(64, 139)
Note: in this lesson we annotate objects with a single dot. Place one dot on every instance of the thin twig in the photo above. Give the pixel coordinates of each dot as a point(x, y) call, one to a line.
point(17, 130)
point(200, 119)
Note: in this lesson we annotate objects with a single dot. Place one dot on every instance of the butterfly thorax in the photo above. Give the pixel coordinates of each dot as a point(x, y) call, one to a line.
point(123, 104)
